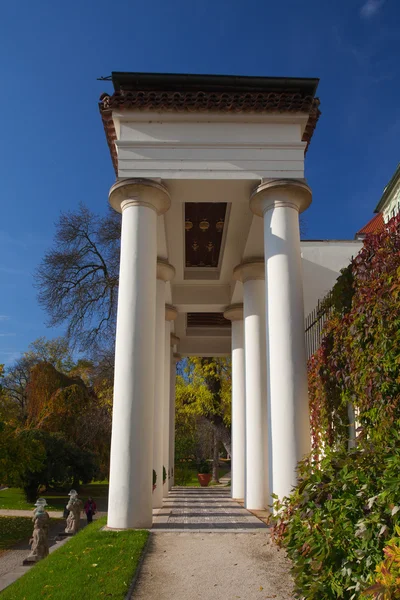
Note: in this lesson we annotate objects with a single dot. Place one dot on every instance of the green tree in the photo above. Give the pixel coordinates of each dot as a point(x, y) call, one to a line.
point(203, 391)
point(17, 455)
point(63, 464)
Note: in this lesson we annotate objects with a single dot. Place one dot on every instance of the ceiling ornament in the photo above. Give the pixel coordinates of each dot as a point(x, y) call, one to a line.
point(219, 225)
point(210, 246)
point(204, 225)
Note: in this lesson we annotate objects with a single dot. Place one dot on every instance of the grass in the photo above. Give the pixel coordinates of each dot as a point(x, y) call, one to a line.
point(93, 564)
point(14, 499)
point(14, 530)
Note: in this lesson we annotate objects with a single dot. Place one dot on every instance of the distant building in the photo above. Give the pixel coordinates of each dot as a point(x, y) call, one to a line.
point(387, 207)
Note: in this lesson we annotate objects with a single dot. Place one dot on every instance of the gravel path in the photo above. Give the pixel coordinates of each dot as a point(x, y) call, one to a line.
point(204, 546)
point(213, 566)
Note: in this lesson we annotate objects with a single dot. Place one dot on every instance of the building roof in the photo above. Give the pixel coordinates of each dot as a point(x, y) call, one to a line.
point(388, 189)
point(375, 225)
point(208, 93)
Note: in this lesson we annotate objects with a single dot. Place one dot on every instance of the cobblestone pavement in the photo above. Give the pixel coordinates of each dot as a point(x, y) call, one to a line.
point(204, 509)
point(204, 546)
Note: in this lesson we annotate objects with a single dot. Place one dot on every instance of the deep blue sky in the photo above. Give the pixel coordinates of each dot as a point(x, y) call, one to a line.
point(53, 153)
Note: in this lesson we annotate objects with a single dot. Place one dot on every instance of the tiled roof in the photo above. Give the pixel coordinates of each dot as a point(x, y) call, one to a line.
point(207, 101)
point(375, 225)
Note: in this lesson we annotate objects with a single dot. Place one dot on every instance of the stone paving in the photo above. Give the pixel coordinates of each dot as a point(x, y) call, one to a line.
point(204, 509)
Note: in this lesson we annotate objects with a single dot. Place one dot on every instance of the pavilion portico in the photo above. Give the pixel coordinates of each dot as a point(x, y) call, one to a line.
point(210, 184)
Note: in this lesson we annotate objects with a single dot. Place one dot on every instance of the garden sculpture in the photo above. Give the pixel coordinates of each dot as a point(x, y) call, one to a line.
point(39, 541)
point(74, 507)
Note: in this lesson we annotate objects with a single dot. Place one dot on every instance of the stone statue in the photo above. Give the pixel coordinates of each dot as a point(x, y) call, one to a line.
point(75, 507)
point(39, 541)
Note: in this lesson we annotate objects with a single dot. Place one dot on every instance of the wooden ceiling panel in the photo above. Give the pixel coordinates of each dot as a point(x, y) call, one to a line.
point(207, 320)
point(204, 228)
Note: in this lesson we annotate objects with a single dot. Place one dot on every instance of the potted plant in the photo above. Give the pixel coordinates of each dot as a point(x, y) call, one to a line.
point(164, 475)
point(204, 473)
point(154, 480)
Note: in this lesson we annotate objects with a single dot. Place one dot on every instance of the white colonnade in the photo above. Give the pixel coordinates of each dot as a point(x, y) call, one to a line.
point(270, 425)
point(174, 359)
point(235, 314)
point(165, 272)
point(279, 203)
point(170, 315)
point(130, 493)
point(251, 274)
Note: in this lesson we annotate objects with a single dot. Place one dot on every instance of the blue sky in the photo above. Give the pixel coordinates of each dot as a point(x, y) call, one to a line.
point(53, 153)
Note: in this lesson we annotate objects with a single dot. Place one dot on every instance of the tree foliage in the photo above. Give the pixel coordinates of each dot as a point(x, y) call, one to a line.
point(203, 409)
point(59, 403)
point(63, 463)
point(56, 352)
point(78, 278)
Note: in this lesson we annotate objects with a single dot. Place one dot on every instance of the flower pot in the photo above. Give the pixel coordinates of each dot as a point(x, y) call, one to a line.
point(204, 479)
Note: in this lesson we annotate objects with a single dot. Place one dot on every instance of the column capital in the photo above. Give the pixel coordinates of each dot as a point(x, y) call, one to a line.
point(251, 269)
point(139, 192)
point(276, 193)
point(234, 312)
point(165, 271)
point(170, 312)
point(174, 340)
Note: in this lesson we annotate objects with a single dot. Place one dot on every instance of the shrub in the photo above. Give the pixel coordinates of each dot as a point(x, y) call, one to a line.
point(204, 467)
point(154, 477)
point(335, 524)
point(387, 581)
point(183, 474)
point(164, 475)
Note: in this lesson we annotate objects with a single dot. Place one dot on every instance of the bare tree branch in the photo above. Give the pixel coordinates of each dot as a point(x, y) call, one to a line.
point(77, 279)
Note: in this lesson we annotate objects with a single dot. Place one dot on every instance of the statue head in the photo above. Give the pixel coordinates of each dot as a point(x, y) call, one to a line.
point(40, 504)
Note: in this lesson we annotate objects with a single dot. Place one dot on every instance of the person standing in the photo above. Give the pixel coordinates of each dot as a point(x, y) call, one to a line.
point(90, 509)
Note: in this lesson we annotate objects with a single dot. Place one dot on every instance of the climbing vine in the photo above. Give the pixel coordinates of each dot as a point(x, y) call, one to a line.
point(359, 358)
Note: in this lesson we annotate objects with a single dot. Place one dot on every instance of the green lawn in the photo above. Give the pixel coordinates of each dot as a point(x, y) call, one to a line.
point(93, 564)
point(13, 498)
point(13, 530)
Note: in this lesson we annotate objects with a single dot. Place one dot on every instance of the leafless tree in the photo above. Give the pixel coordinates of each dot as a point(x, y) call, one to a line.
point(77, 279)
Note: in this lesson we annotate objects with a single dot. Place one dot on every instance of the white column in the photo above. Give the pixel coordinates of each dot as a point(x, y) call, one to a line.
point(130, 493)
point(165, 272)
point(256, 490)
point(174, 359)
point(170, 315)
point(280, 202)
point(235, 314)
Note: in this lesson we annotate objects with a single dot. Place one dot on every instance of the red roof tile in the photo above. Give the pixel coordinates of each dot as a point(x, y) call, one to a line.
point(375, 225)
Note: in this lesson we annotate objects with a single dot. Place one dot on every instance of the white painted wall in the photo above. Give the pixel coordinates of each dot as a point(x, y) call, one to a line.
point(322, 262)
point(184, 146)
point(392, 206)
